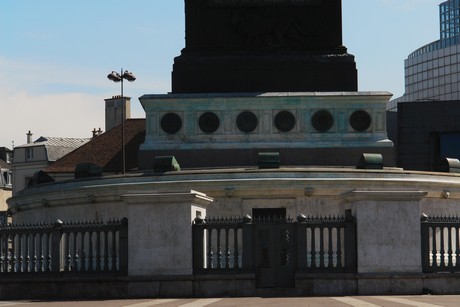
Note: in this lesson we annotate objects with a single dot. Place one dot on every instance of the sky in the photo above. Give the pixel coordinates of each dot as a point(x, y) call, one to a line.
point(55, 56)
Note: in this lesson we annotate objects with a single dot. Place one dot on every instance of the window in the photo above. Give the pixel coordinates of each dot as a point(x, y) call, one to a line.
point(9, 157)
point(449, 145)
point(6, 178)
point(29, 153)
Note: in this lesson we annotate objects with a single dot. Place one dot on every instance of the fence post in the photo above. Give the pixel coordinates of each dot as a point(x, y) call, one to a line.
point(351, 261)
point(123, 252)
point(198, 245)
point(248, 263)
point(55, 246)
point(425, 243)
point(301, 241)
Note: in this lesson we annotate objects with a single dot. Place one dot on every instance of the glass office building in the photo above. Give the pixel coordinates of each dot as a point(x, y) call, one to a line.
point(432, 72)
point(449, 19)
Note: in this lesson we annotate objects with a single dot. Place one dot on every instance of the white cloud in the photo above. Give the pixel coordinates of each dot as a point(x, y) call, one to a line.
point(52, 100)
point(59, 115)
point(34, 97)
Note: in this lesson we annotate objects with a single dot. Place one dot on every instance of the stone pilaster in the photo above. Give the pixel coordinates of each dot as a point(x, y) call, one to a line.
point(388, 230)
point(160, 231)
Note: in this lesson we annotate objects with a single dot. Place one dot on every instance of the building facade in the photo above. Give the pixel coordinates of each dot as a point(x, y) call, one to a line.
point(449, 17)
point(38, 155)
point(423, 122)
point(428, 132)
point(432, 71)
point(6, 156)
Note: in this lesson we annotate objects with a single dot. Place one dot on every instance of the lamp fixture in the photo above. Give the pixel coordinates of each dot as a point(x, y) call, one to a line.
point(118, 77)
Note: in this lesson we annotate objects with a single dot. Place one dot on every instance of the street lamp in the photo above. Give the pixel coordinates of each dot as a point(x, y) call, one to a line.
point(118, 77)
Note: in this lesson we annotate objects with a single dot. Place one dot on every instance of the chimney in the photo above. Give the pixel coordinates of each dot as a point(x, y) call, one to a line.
point(29, 137)
point(97, 133)
point(115, 108)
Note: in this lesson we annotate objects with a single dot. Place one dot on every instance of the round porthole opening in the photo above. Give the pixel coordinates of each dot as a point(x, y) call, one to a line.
point(322, 121)
point(171, 123)
point(209, 122)
point(247, 122)
point(360, 120)
point(284, 121)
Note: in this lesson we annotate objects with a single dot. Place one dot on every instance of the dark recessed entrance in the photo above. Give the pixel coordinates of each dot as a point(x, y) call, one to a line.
point(274, 248)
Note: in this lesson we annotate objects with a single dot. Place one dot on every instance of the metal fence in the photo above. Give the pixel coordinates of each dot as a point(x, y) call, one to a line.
point(320, 244)
point(440, 244)
point(218, 244)
point(327, 244)
point(79, 247)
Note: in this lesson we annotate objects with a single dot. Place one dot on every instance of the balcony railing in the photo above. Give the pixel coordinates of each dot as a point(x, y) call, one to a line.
point(81, 247)
point(440, 244)
point(319, 244)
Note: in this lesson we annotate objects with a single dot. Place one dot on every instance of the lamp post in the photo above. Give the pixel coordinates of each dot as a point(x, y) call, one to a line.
point(119, 77)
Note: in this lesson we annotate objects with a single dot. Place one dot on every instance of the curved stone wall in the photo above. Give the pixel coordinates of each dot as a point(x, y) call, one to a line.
point(311, 191)
point(386, 204)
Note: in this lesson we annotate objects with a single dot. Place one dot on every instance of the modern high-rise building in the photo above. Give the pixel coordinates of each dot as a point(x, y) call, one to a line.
point(449, 19)
point(432, 72)
point(425, 127)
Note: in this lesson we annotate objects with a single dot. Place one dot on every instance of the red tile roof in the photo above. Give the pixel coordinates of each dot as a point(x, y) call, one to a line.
point(105, 150)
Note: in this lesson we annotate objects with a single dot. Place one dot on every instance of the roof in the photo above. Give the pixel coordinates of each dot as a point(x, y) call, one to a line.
point(57, 147)
point(57, 142)
point(105, 150)
point(5, 154)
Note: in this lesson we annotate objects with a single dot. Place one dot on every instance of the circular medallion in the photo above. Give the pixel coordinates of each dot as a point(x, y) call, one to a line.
point(322, 121)
point(247, 122)
point(360, 120)
point(209, 122)
point(284, 121)
point(171, 123)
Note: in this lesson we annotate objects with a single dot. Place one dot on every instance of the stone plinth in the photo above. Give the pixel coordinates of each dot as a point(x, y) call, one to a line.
point(388, 227)
point(210, 130)
point(283, 72)
point(160, 241)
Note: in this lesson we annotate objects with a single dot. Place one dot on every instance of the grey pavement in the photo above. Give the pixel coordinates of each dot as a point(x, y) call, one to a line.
point(355, 301)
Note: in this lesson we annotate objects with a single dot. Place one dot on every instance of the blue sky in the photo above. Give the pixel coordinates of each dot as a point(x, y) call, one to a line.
point(55, 55)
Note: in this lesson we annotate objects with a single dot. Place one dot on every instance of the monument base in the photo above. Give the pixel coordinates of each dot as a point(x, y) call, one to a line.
point(230, 129)
point(275, 72)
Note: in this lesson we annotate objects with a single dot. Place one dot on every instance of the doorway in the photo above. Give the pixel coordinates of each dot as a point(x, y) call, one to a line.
point(274, 248)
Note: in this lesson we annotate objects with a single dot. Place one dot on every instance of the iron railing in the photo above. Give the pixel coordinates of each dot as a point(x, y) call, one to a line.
point(79, 247)
point(327, 244)
point(218, 244)
point(227, 245)
point(440, 244)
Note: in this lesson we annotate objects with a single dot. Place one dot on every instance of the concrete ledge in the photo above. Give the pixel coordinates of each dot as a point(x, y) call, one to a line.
point(241, 285)
point(333, 156)
point(384, 195)
point(441, 284)
point(387, 283)
point(237, 285)
point(326, 284)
